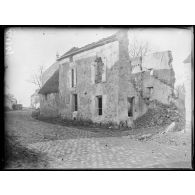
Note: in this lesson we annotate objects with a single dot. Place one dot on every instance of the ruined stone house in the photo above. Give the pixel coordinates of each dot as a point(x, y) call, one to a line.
point(99, 82)
point(10, 101)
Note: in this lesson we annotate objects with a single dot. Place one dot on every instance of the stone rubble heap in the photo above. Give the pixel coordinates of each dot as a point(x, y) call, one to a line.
point(161, 115)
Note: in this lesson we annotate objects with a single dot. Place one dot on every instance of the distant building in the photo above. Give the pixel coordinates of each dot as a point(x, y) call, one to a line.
point(17, 107)
point(35, 100)
point(10, 101)
point(99, 82)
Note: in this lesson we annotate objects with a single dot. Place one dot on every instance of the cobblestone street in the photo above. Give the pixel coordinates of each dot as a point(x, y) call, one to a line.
point(70, 147)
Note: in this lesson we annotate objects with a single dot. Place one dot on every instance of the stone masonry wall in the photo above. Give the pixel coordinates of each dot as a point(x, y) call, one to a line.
point(49, 105)
point(114, 90)
point(116, 87)
point(126, 88)
point(86, 89)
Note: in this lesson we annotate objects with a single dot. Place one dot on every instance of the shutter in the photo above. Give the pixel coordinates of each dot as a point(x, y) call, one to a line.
point(104, 70)
point(69, 78)
point(104, 100)
point(92, 73)
point(75, 77)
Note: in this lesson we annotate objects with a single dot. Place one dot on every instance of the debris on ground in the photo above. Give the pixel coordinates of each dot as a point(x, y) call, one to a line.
point(144, 137)
point(170, 128)
point(161, 115)
point(173, 138)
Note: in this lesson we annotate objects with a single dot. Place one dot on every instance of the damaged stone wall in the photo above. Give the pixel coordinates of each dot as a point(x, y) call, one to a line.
point(158, 60)
point(157, 73)
point(49, 105)
point(120, 82)
point(126, 87)
point(86, 89)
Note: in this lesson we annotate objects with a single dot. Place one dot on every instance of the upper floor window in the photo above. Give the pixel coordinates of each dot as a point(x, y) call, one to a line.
point(72, 74)
point(149, 92)
point(98, 71)
point(72, 77)
point(130, 104)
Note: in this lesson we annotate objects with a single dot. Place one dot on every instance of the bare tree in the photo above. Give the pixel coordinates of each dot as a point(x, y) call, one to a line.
point(37, 78)
point(138, 48)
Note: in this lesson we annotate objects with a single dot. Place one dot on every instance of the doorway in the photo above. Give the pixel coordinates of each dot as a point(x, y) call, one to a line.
point(130, 106)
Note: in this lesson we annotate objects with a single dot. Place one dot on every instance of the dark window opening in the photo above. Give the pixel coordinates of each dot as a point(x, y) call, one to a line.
point(72, 77)
point(75, 102)
point(46, 97)
point(130, 102)
point(149, 92)
point(98, 70)
point(99, 102)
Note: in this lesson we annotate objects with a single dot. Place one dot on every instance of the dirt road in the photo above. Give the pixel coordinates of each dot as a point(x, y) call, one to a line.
point(61, 147)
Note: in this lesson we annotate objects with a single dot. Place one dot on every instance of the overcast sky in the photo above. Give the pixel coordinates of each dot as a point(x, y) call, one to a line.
point(28, 48)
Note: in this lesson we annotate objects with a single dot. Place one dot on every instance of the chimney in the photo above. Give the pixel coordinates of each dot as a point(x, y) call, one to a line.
point(57, 55)
point(122, 36)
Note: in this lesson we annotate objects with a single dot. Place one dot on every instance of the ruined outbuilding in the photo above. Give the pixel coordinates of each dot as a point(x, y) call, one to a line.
point(49, 93)
point(100, 83)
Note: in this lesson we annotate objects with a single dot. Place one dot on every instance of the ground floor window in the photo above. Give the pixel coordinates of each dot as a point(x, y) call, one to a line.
point(99, 105)
point(130, 104)
point(149, 92)
point(46, 97)
point(75, 102)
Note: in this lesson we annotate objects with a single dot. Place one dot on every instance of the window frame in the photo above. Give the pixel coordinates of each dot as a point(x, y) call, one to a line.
point(75, 102)
point(130, 106)
point(72, 77)
point(99, 105)
point(101, 69)
point(150, 91)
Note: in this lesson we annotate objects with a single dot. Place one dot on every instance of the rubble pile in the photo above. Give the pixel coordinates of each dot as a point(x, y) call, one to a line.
point(161, 115)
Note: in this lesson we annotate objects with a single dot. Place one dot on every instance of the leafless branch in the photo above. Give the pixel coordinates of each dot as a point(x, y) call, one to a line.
point(37, 78)
point(138, 48)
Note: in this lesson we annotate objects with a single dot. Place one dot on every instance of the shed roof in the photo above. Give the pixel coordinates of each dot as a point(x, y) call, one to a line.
point(51, 85)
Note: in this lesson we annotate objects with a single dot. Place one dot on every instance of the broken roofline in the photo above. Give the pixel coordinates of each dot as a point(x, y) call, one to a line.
point(90, 46)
